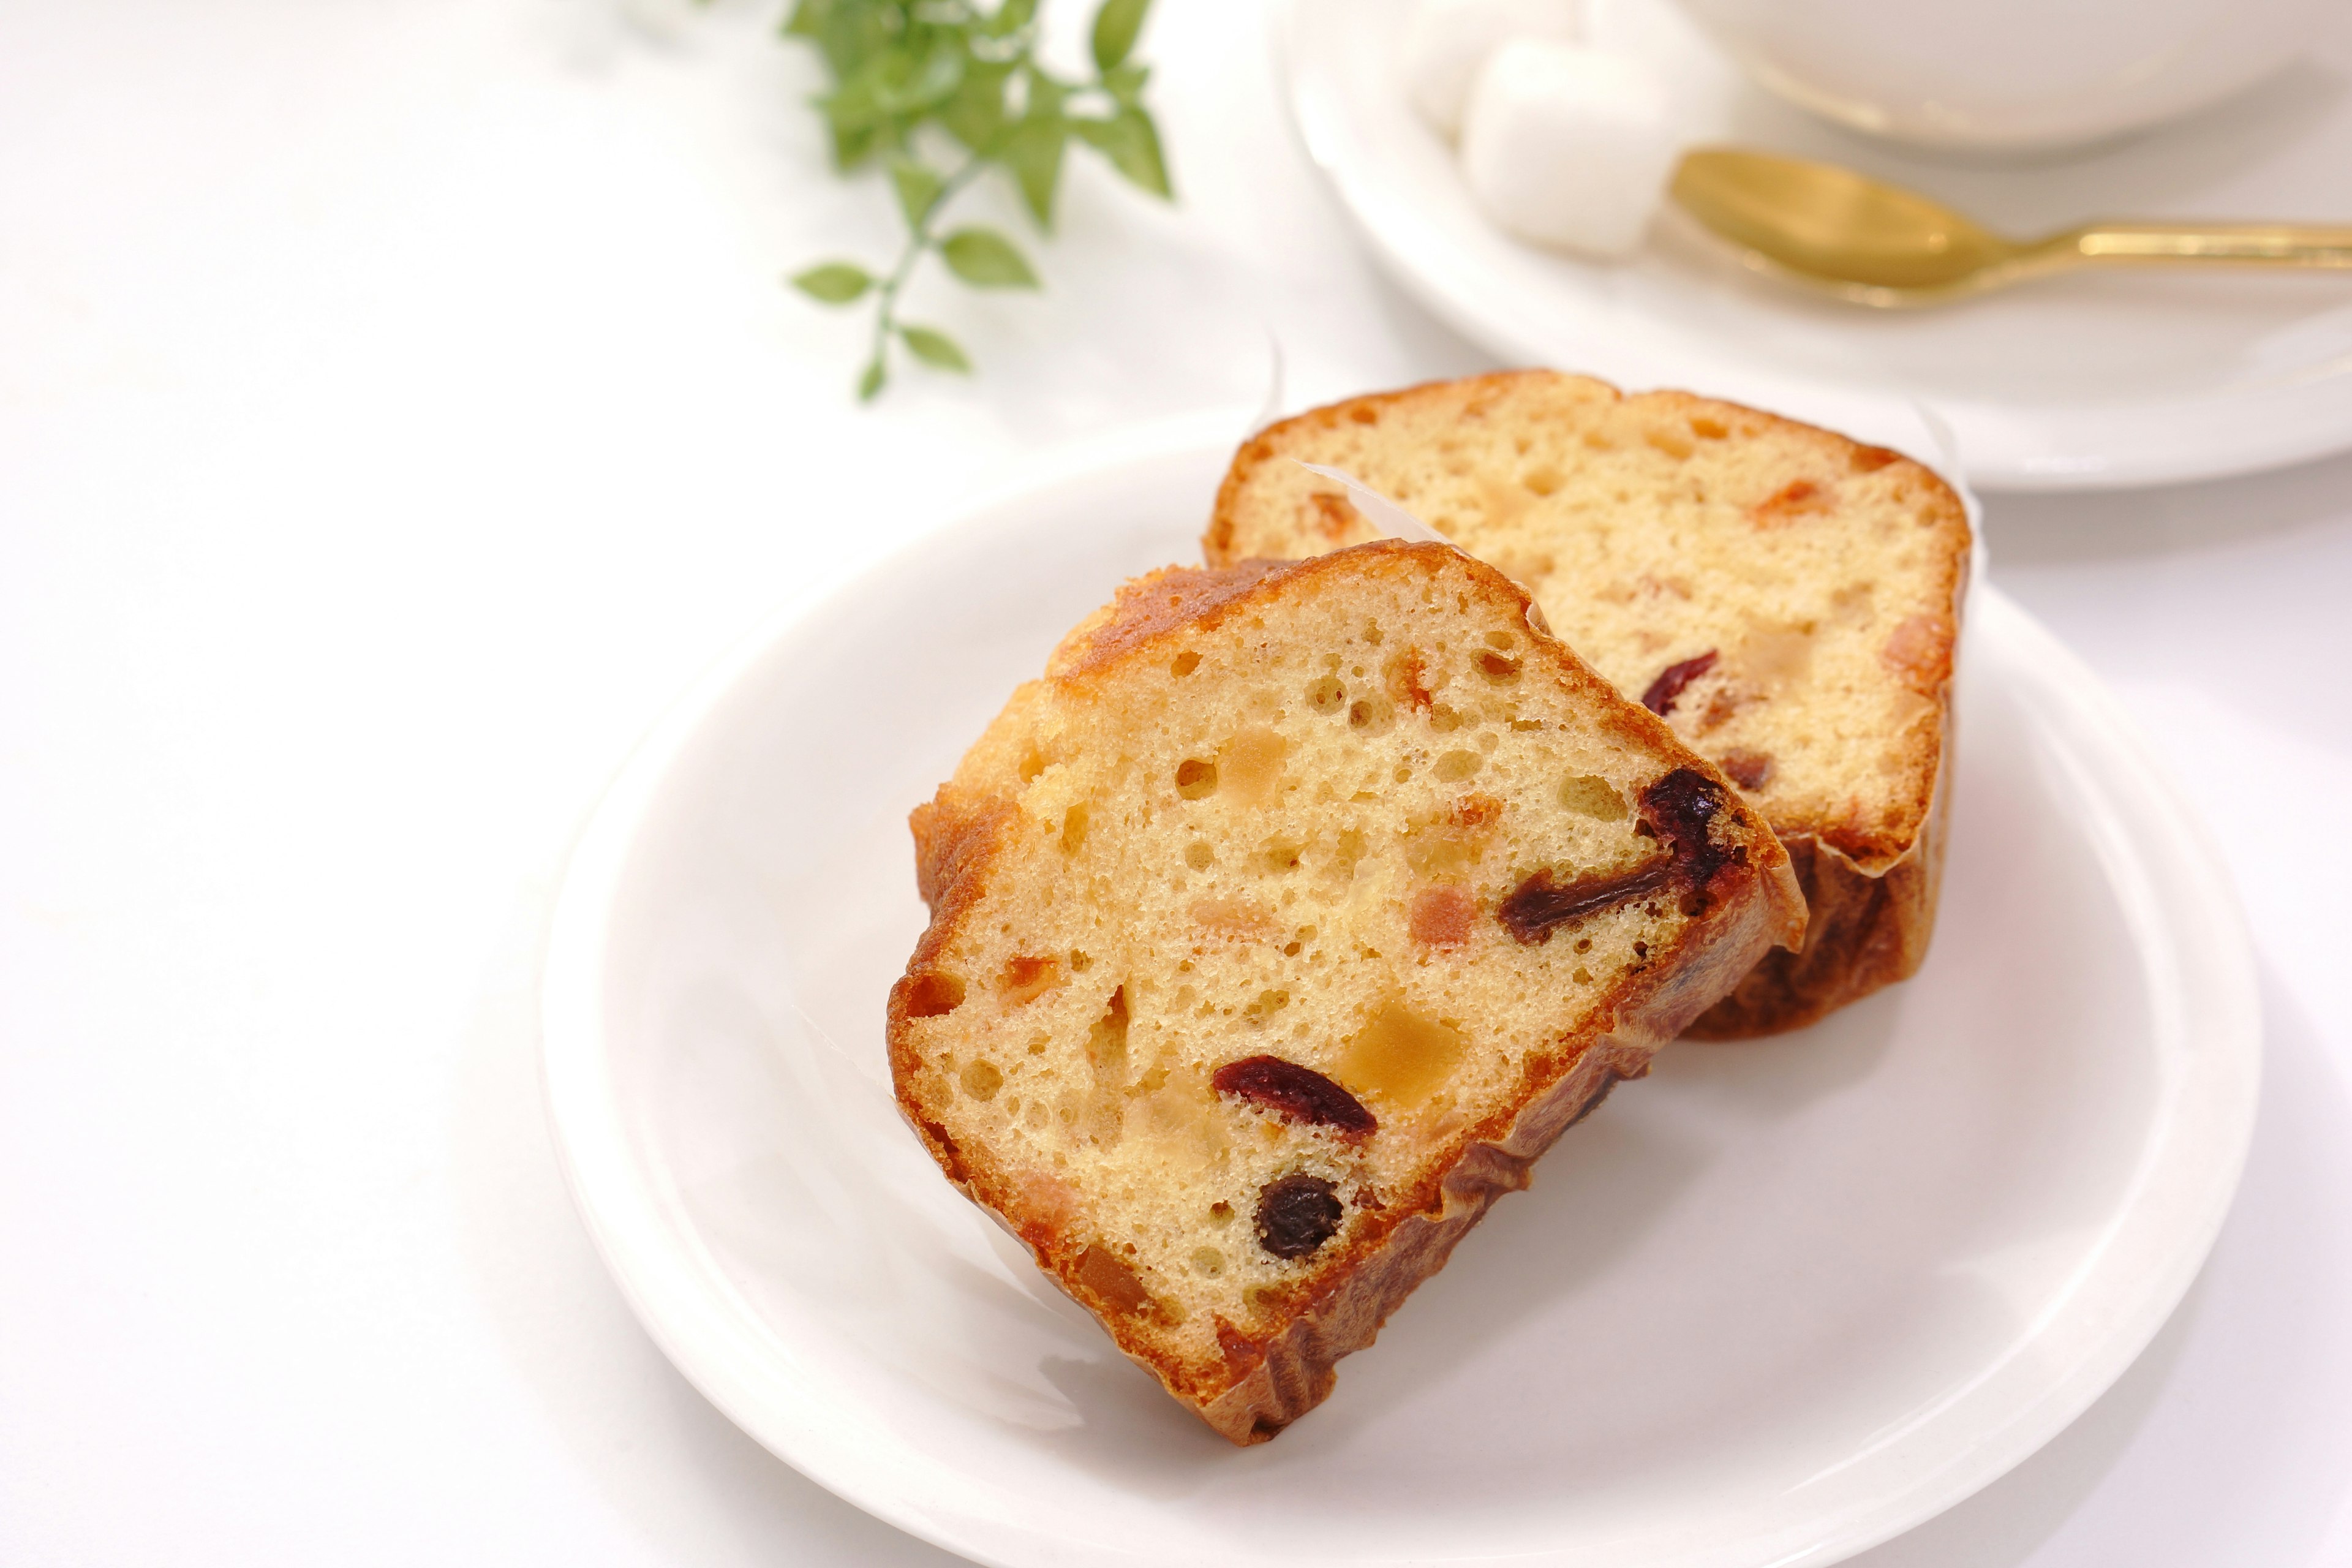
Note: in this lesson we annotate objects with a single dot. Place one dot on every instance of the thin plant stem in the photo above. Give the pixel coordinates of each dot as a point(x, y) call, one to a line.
point(919, 240)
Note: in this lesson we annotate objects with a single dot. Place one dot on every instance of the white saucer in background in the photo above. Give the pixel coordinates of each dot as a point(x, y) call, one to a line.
point(1777, 1303)
point(2090, 381)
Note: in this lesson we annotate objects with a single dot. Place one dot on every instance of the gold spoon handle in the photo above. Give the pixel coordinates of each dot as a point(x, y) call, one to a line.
point(2237, 244)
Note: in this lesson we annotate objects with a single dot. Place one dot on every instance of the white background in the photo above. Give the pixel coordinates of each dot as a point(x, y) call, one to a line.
point(398, 403)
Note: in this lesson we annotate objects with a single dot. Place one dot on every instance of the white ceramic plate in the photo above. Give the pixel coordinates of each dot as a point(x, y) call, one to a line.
point(1776, 1303)
point(2084, 382)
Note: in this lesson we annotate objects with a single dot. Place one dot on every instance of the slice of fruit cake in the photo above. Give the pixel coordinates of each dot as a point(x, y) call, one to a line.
point(1278, 929)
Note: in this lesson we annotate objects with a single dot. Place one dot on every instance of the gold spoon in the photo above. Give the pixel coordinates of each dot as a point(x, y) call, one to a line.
point(1881, 245)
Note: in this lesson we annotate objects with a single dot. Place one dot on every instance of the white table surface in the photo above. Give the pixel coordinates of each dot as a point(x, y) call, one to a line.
point(398, 403)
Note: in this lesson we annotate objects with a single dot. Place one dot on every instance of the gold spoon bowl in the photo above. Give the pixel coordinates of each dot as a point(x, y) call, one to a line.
point(1881, 245)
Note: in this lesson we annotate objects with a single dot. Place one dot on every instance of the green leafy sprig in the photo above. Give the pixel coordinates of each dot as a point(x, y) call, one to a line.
point(897, 66)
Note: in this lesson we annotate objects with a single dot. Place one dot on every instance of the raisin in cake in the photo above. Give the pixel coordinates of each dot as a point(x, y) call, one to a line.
point(1279, 927)
point(1785, 597)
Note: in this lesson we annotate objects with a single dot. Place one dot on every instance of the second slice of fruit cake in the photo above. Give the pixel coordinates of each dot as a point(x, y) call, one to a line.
point(1786, 597)
point(1279, 928)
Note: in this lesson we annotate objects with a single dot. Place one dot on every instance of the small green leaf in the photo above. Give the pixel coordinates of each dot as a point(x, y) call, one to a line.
point(850, 33)
point(855, 124)
point(1116, 24)
point(807, 19)
point(918, 188)
point(1132, 145)
point(1042, 96)
point(852, 145)
point(936, 349)
point(976, 113)
point(1124, 83)
point(910, 89)
point(870, 385)
point(1010, 18)
point(835, 282)
point(1034, 153)
point(986, 259)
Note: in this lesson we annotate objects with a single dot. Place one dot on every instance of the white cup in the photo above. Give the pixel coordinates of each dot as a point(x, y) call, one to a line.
point(2008, 75)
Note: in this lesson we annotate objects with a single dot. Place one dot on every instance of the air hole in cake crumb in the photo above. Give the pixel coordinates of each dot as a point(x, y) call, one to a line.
point(1196, 778)
point(1208, 1260)
point(1403, 772)
point(1497, 668)
point(1711, 429)
point(1584, 945)
point(1489, 741)
point(1455, 766)
point(1106, 1040)
point(1501, 639)
point(1220, 1211)
point(1199, 856)
point(1444, 719)
point(1290, 950)
point(1185, 663)
point(1583, 975)
point(1279, 855)
point(1368, 713)
point(1542, 480)
point(1079, 961)
point(982, 1079)
point(1672, 443)
point(1327, 695)
point(1074, 829)
point(1371, 635)
point(934, 995)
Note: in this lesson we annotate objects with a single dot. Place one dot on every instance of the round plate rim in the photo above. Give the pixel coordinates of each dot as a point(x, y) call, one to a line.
point(675, 1300)
point(1402, 249)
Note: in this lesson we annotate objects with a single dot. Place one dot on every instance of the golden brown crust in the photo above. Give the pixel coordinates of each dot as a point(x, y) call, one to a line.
point(1263, 1384)
point(1872, 881)
point(1156, 604)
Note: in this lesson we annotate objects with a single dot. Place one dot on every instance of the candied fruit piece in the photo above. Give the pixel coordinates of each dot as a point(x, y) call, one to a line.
point(1440, 917)
point(1108, 1276)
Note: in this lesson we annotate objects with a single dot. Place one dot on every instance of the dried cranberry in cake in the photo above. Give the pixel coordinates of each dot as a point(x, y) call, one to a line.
point(1664, 691)
point(1682, 808)
point(1299, 1093)
point(1540, 903)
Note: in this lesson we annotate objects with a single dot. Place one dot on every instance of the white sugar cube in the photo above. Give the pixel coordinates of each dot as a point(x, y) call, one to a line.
point(1568, 146)
point(1445, 42)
